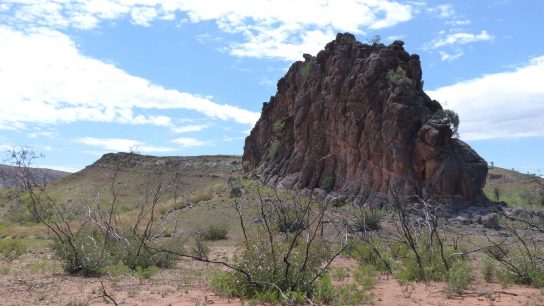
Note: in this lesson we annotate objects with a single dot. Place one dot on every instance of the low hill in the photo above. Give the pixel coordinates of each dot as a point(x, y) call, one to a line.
point(8, 175)
point(132, 175)
point(515, 188)
point(133, 172)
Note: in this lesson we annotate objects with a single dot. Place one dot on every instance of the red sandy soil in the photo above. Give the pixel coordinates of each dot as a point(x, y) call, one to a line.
point(188, 284)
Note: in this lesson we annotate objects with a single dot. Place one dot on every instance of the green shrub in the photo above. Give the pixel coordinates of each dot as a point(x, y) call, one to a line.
point(351, 295)
point(367, 255)
point(398, 77)
point(11, 249)
point(367, 219)
point(137, 255)
point(215, 232)
point(366, 276)
point(340, 273)
point(308, 67)
point(487, 268)
point(259, 262)
point(278, 126)
point(517, 266)
point(431, 261)
point(505, 277)
point(324, 291)
point(273, 148)
point(146, 273)
point(459, 276)
point(289, 222)
point(118, 270)
point(447, 116)
point(223, 283)
point(327, 183)
point(268, 296)
point(83, 254)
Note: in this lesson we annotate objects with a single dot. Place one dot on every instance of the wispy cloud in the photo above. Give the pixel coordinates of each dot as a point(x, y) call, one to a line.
point(506, 104)
point(445, 56)
point(442, 11)
point(5, 148)
point(462, 22)
point(42, 134)
point(450, 45)
point(122, 145)
point(276, 29)
point(185, 142)
point(60, 85)
point(460, 39)
point(189, 128)
point(229, 138)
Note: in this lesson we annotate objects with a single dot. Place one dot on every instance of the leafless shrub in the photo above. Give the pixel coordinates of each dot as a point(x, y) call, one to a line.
point(520, 255)
point(277, 259)
point(89, 235)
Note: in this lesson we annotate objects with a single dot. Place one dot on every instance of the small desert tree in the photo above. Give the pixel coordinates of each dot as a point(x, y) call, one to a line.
point(448, 116)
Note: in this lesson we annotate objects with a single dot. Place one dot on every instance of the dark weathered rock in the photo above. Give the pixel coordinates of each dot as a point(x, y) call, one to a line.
point(354, 120)
point(491, 221)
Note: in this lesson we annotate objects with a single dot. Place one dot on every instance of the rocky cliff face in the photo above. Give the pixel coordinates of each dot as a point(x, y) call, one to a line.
point(354, 121)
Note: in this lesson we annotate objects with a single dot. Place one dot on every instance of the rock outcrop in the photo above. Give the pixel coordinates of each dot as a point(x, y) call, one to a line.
point(354, 121)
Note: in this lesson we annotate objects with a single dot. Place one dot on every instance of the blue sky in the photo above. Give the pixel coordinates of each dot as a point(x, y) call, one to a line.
point(82, 78)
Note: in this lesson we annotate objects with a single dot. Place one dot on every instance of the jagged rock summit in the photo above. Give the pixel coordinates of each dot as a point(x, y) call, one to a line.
point(355, 122)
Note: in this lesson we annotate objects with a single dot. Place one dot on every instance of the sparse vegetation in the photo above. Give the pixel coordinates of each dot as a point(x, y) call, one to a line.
point(398, 77)
point(215, 232)
point(459, 276)
point(519, 258)
point(278, 126)
point(340, 273)
point(89, 242)
point(487, 269)
point(366, 218)
point(383, 240)
point(447, 116)
point(273, 148)
point(497, 194)
point(308, 67)
point(11, 249)
point(327, 183)
point(285, 267)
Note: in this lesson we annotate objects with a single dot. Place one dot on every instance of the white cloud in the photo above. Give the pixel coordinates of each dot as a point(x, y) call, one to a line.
point(190, 142)
point(460, 39)
point(46, 134)
point(189, 128)
point(229, 138)
point(5, 148)
point(280, 29)
point(462, 22)
point(445, 56)
point(506, 104)
point(442, 11)
point(122, 145)
point(46, 80)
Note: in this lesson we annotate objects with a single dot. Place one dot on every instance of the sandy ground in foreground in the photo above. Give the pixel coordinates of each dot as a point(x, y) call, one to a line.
point(35, 279)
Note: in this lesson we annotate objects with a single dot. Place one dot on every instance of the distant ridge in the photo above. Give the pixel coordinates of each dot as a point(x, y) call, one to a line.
point(8, 175)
